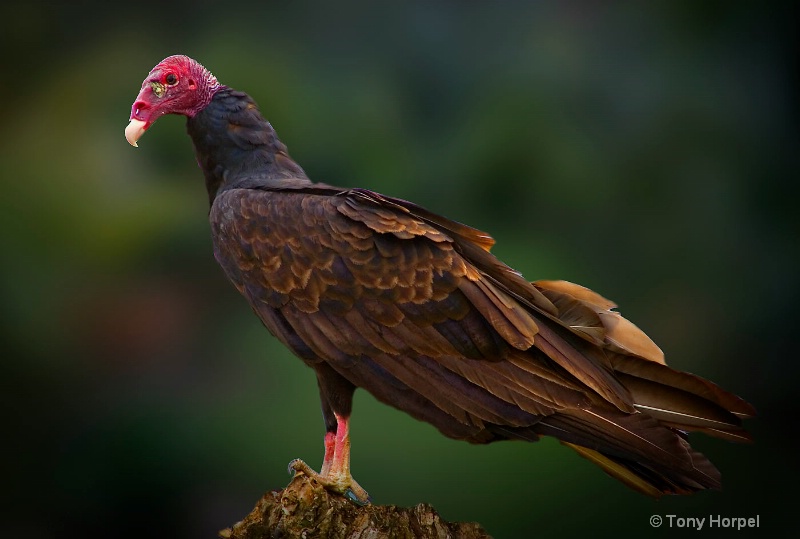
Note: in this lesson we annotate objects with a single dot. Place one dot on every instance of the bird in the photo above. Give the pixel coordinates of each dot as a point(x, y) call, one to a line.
point(375, 292)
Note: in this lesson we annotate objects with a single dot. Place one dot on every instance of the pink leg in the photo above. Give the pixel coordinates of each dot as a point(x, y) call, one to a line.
point(335, 474)
point(330, 445)
point(340, 466)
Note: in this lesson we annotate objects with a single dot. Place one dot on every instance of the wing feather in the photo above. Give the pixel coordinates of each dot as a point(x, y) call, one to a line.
point(590, 315)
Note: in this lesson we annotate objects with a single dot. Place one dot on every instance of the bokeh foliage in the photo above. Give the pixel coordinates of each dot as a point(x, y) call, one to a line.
point(648, 151)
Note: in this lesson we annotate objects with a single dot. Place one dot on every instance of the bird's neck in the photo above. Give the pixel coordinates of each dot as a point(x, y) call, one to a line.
point(237, 147)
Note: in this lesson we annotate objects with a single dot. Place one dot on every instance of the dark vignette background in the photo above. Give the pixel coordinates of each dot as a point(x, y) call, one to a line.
point(648, 151)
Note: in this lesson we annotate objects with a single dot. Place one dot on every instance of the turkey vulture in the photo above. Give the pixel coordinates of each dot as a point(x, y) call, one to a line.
point(375, 292)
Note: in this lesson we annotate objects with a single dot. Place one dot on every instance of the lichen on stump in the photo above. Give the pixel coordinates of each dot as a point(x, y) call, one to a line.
point(305, 509)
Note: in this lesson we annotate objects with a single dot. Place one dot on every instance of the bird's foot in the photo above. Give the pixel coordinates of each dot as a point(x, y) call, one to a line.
point(343, 484)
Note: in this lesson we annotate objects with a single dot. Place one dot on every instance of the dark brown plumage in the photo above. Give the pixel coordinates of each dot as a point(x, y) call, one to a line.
point(378, 293)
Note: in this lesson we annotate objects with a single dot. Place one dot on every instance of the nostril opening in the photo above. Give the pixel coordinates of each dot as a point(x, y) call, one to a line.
point(138, 107)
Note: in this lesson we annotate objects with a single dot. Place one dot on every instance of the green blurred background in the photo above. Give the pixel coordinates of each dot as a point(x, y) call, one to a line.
point(646, 150)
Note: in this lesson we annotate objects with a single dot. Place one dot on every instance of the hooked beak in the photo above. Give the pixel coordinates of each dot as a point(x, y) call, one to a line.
point(143, 114)
point(135, 130)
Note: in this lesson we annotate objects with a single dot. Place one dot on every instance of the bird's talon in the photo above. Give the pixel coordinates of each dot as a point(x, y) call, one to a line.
point(299, 466)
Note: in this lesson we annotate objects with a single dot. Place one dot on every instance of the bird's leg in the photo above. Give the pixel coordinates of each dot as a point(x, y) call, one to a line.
point(339, 471)
point(335, 474)
point(330, 445)
point(336, 397)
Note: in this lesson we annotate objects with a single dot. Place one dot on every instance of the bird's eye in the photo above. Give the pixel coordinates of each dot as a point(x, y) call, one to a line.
point(172, 79)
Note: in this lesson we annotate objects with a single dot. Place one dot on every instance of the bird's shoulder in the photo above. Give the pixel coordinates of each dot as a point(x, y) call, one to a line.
point(294, 215)
point(317, 244)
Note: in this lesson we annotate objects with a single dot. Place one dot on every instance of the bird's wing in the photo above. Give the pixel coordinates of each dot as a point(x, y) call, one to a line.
point(543, 308)
point(583, 311)
point(348, 276)
point(618, 345)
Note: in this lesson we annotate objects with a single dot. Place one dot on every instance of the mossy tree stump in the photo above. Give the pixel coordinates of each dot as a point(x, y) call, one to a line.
point(304, 509)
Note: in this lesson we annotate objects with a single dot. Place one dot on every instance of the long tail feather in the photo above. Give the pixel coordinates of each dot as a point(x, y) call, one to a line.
point(635, 449)
point(648, 479)
point(619, 471)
